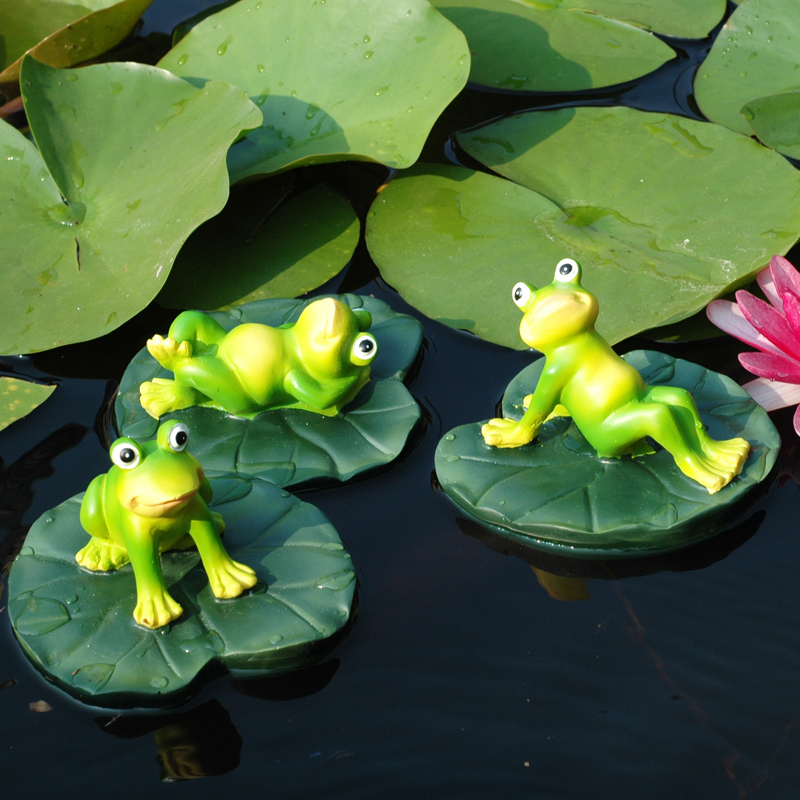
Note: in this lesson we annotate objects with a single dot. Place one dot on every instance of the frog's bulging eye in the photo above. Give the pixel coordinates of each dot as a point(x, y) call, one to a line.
point(567, 270)
point(365, 348)
point(126, 455)
point(521, 293)
point(178, 437)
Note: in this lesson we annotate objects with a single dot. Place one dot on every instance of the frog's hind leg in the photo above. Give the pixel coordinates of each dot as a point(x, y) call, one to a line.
point(195, 326)
point(100, 556)
point(667, 425)
point(726, 457)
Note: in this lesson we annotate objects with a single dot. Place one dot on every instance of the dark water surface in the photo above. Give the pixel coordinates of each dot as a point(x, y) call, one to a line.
point(465, 675)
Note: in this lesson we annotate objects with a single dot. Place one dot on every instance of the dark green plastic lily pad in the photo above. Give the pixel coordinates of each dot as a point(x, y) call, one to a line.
point(557, 495)
point(293, 446)
point(77, 626)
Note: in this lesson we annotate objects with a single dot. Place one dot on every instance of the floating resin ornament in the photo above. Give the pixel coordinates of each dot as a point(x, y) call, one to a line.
point(294, 446)
point(319, 363)
point(623, 464)
point(155, 498)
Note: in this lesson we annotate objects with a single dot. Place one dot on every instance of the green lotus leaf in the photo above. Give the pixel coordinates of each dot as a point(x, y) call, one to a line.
point(258, 248)
point(677, 221)
point(19, 397)
point(62, 33)
point(77, 626)
point(351, 79)
point(130, 160)
point(290, 446)
point(754, 56)
point(776, 121)
point(557, 495)
point(553, 46)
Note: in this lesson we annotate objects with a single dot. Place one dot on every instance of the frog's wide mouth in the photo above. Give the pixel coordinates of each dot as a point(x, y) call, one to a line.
point(163, 505)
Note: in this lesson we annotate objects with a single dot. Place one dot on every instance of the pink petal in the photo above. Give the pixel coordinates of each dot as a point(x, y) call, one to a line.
point(768, 365)
point(791, 308)
point(729, 317)
point(773, 394)
point(796, 421)
point(767, 285)
point(785, 276)
point(769, 322)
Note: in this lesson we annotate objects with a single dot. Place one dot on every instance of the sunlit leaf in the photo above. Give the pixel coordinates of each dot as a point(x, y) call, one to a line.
point(258, 248)
point(754, 56)
point(77, 626)
point(557, 495)
point(19, 397)
point(776, 121)
point(62, 33)
point(292, 446)
point(549, 47)
point(351, 79)
point(130, 160)
point(663, 213)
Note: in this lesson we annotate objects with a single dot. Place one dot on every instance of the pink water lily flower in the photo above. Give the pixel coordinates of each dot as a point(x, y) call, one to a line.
point(774, 329)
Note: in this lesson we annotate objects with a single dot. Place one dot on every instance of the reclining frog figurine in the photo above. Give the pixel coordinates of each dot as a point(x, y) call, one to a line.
point(607, 398)
point(319, 363)
point(153, 499)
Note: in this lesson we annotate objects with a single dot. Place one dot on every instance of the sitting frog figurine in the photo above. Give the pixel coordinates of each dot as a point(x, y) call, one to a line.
point(607, 398)
point(155, 498)
point(319, 363)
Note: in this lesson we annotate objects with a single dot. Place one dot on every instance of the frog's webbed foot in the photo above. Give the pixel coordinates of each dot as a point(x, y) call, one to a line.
point(229, 578)
point(507, 433)
point(729, 454)
point(161, 396)
point(102, 556)
point(169, 351)
point(720, 463)
point(154, 610)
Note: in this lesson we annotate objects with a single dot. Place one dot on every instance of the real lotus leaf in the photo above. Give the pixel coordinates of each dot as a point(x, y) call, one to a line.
point(259, 247)
point(754, 56)
point(76, 625)
point(555, 494)
point(19, 397)
point(775, 119)
point(659, 232)
point(62, 34)
point(130, 160)
point(292, 446)
point(370, 92)
point(551, 47)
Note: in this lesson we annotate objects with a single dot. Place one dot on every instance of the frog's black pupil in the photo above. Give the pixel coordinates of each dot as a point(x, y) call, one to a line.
point(565, 269)
point(365, 345)
point(127, 455)
point(517, 293)
point(180, 438)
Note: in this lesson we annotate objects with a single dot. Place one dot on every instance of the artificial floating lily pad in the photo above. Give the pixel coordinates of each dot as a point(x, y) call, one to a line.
point(76, 625)
point(557, 495)
point(93, 218)
point(293, 446)
point(20, 397)
point(371, 92)
point(62, 34)
point(675, 223)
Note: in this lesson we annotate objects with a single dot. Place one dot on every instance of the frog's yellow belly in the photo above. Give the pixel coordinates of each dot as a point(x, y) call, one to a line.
point(600, 388)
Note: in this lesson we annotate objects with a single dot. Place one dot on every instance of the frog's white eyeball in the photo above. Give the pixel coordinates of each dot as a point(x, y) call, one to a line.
point(178, 437)
point(521, 293)
point(126, 455)
point(365, 348)
point(567, 270)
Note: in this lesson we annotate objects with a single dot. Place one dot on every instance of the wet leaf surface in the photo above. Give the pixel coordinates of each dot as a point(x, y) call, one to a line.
point(20, 397)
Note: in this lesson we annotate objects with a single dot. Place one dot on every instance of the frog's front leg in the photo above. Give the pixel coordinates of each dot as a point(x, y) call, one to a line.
point(226, 577)
point(155, 607)
point(323, 398)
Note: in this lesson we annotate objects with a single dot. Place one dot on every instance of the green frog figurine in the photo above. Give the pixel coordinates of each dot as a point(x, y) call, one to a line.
point(607, 398)
point(318, 363)
point(155, 498)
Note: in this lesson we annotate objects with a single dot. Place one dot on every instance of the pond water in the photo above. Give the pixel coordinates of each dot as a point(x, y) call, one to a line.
point(475, 668)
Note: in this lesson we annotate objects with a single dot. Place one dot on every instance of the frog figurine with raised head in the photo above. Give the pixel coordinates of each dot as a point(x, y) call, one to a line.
point(607, 398)
point(318, 363)
point(155, 498)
